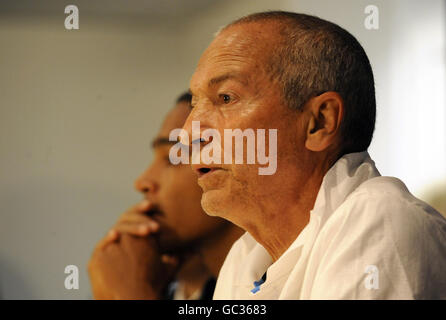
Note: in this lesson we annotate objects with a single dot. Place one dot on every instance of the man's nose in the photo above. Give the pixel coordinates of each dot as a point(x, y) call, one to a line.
point(187, 128)
point(146, 185)
point(197, 121)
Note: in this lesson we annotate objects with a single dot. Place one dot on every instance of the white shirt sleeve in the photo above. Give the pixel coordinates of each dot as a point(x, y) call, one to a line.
point(380, 246)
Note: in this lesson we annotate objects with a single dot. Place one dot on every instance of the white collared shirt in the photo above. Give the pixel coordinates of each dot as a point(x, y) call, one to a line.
point(367, 238)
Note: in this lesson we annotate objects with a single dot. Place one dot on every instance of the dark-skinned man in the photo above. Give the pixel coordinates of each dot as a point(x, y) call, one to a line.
point(164, 238)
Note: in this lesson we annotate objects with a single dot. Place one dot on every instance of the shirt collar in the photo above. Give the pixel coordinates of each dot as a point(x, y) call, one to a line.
point(339, 182)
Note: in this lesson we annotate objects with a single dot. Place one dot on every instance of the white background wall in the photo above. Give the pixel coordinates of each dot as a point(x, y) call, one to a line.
point(78, 110)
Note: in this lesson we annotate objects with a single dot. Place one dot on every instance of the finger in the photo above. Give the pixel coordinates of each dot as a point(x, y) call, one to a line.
point(111, 236)
point(136, 229)
point(144, 205)
point(138, 218)
point(138, 210)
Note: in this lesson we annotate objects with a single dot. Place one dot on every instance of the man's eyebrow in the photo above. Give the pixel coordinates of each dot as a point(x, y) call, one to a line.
point(162, 141)
point(216, 80)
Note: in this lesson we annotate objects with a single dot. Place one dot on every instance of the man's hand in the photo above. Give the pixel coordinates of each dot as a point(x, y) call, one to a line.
point(134, 222)
point(126, 264)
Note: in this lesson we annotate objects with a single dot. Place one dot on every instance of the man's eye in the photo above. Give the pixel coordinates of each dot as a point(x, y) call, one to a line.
point(226, 98)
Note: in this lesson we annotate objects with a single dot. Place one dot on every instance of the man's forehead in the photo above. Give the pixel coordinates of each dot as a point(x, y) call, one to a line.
point(234, 43)
point(232, 55)
point(243, 35)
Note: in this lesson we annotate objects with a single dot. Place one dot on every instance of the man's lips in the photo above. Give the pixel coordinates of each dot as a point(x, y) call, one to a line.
point(203, 170)
point(157, 216)
point(153, 211)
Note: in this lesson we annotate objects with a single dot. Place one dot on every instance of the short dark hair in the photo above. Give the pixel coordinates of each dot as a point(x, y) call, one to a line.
point(313, 56)
point(184, 97)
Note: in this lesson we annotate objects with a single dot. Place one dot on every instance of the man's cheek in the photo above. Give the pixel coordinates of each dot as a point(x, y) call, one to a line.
point(243, 176)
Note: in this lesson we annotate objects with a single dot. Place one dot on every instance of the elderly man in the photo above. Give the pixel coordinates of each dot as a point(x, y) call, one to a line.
point(167, 236)
point(325, 225)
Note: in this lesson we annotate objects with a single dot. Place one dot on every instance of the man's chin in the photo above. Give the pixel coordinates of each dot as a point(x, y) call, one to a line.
point(213, 203)
point(178, 248)
point(168, 242)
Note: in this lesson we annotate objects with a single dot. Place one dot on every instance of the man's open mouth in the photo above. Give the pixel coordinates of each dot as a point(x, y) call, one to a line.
point(202, 171)
point(154, 212)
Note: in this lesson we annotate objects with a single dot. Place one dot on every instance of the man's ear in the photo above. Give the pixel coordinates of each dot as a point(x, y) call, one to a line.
point(326, 112)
